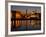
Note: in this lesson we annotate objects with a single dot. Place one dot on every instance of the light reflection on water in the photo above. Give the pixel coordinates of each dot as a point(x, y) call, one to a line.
point(27, 22)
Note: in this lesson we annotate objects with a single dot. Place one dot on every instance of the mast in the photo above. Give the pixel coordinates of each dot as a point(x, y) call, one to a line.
point(26, 20)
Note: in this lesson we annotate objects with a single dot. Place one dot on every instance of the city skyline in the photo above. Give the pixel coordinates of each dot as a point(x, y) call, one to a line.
point(24, 8)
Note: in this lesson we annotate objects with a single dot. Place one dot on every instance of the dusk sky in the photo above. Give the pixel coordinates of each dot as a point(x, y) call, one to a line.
point(24, 8)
